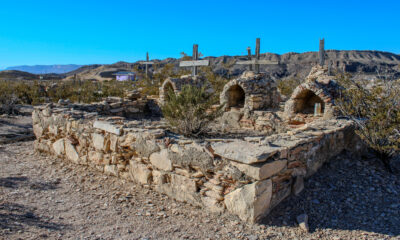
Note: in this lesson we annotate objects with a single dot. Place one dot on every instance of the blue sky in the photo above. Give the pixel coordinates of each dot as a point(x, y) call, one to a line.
point(87, 31)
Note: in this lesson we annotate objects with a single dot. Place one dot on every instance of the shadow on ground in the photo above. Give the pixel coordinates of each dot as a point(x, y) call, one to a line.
point(16, 217)
point(345, 194)
point(22, 182)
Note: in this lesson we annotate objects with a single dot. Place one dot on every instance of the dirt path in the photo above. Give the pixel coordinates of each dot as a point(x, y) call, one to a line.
point(47, 198)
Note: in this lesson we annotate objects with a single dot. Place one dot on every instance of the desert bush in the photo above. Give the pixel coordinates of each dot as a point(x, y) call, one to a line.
point(286, 86)
point(190, 112)
point(35, 92)
point(217, 82)
point(375, 108)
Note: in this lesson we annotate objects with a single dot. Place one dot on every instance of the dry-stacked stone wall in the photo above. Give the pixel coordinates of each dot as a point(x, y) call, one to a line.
point(246, 177)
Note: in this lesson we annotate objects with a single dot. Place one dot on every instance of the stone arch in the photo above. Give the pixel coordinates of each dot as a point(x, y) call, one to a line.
point(235, 96)
point(305, 102)
point(165, 88)
point(304, 98)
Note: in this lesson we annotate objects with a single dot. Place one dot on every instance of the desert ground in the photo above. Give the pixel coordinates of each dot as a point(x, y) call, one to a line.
point(45, 197)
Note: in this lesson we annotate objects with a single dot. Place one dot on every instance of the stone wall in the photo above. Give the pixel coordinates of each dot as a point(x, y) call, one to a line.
point(247, 177)
point(133, 106)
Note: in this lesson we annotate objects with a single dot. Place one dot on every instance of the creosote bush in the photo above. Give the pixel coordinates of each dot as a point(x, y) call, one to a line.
point(191, 111)
point(37, 92)
point(375, 108)
point(286, 86)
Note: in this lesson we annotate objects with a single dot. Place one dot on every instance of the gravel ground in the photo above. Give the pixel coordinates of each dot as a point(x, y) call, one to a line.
point(12, 127)
point(47, 198)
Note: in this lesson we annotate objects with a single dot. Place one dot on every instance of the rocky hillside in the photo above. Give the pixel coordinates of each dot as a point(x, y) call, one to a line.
point(20, 75)
point(363, 63)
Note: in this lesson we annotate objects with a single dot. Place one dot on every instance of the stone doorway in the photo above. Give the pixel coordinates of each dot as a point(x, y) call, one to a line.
point(305, 102)
point(236, 97)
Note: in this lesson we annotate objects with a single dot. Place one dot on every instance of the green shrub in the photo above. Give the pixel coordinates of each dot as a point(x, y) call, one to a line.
point(376, 111)
point(190, 112)
point(286, 86)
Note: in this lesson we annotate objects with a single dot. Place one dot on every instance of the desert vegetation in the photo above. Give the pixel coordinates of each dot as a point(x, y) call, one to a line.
point(191, 111)
point(375, 109)
point(286, 86)
point(38, 92)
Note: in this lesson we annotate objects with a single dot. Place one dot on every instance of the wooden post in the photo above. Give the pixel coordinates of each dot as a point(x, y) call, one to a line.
point(195, 62)
point(147, 59)
point(257, 66)
point(321, 52)
point(195, 57)
point(249, 57)
point(256, 62)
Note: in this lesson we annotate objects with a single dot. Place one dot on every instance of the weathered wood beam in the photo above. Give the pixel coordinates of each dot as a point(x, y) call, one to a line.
point(194, 63)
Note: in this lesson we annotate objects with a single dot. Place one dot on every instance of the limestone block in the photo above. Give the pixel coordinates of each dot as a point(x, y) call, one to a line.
point(107, 127)
point(111, 170)
point(243, 151)
point(261, 171)
point(213, 205)
point(139, 172)
point(71, 152)
point(298, 185)
point(181, 188)
point(98, 141)
point(41, 146)
point(217, 196)
point(161, 161)
point(96, 157)
point(58, 147)
point(158, 177)
point(38, 130)
point(53, 129)
point(250, 202)
point(113, 143)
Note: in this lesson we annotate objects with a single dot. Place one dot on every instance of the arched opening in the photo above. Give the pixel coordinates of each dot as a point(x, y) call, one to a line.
point(236, 96)
point(168, 88)
point(305, 102)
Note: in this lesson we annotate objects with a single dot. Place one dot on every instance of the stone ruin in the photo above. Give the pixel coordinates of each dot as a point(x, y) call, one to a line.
point(246, 175)
point(318, 88)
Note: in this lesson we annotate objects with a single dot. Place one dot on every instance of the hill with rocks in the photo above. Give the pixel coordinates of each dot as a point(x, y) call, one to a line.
point(46, 69)
point(363, 63)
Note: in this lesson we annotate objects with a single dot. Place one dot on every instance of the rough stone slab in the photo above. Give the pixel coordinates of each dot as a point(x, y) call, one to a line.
point(244, 152)
point(107, 127)
point(161, 161)
point(139, 172)
point(251, 202)
point(261, 171)
point(98, 141)
point(181, 188)
point(71, 152)
point(58, 147)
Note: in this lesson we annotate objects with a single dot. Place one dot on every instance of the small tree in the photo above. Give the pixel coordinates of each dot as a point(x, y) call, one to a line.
point(190, 112)
point(375, 108)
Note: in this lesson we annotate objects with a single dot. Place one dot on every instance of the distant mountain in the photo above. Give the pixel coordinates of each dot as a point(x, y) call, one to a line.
point(360, 63)
point(43, 69)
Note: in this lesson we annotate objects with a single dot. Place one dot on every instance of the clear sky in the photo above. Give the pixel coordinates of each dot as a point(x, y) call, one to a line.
point(106, 31)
